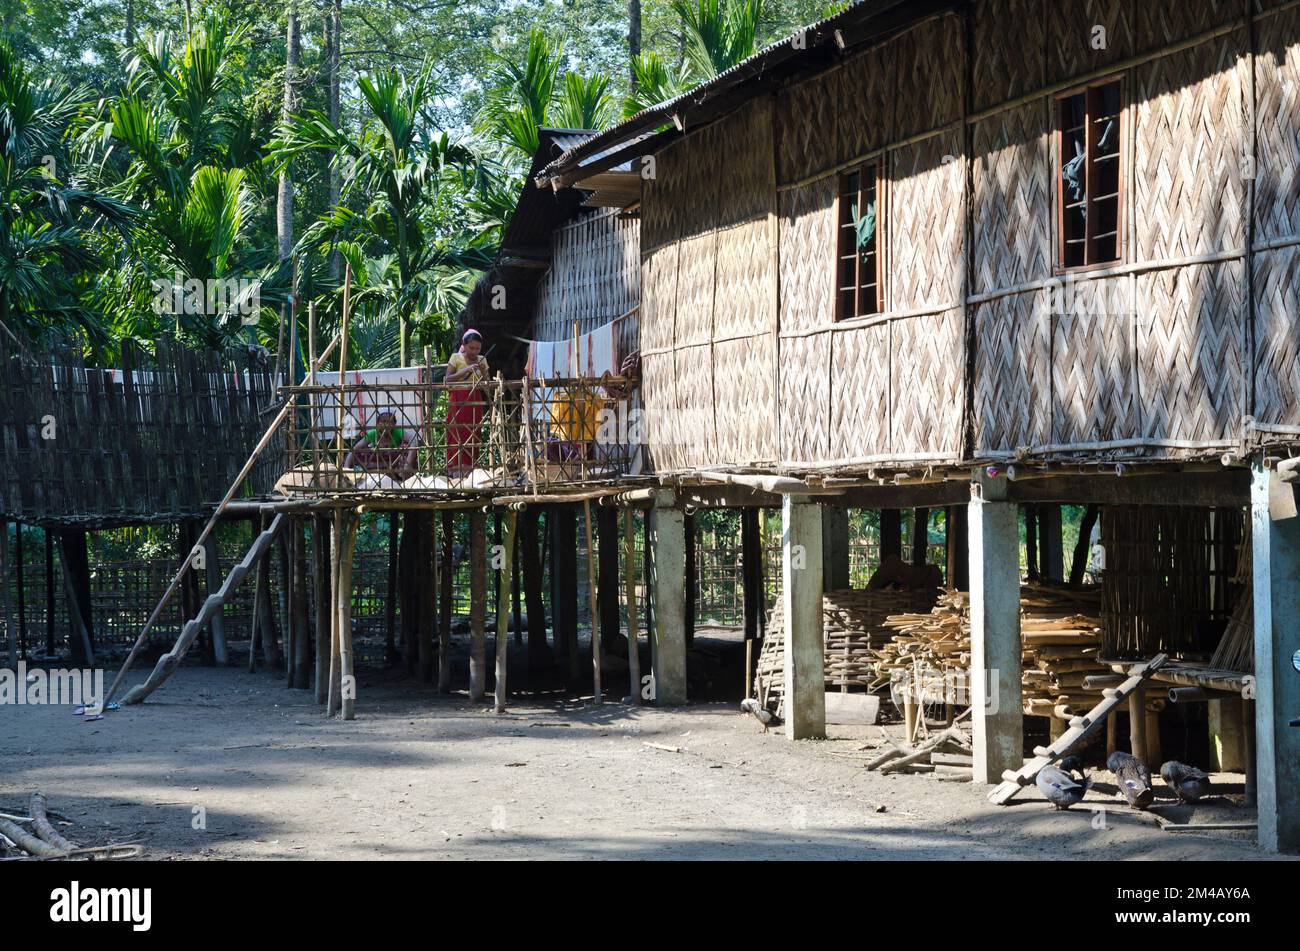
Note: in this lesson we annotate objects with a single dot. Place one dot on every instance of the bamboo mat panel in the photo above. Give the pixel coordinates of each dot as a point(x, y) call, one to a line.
point(696, 274)
point(1012, 196)
point(661, 220)
point(860, 391)
point(1008, 64)
point(928, 385)
point(806, 127)
point(867, 95)
point(659, 393)
point(924, 224)
point(1188, 186)
point(1159, 23)
point(807, 243)
point(805, 404)
point(744, 297)
point(1070, 49)
point(744, 386)
point(1277, 91)
point(1093, 394)
point(1277, 337)
point(658, 309)
point(930, 60)
point(745, 178)
point(1191, 351)
point(693, 426)
point(1012, 383)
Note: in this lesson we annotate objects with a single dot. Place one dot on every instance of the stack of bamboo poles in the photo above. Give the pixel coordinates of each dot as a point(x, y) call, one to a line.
point(854, 623)
point(1060, 638)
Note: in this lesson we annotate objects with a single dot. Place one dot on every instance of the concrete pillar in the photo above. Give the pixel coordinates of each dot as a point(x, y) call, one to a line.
point(835, 547)
point(667, 551)
point(1276, 567)
point(1050, 547)
point(801, 587)
point(1227, 732)
point(997, 719)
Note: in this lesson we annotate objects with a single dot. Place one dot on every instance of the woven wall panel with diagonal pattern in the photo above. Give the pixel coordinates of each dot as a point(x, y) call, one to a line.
point(1012, 385)
point(659, 397)
point(929, 61)
point(1277, 113)
point(1072, 41)
point(807, 246)
point(1092, 366)
point(1277, 337)
point(742, 163)
point(1012, 193)
point(695, 282)
point(658, 297)
point(928, 391)
point(1190, 351)
point(1159, 23)
point(866, 96)
point(806, 128)
point(693, 427)
point(1190, 193)
point(924, 224)
point(593, 277)
point(805, 405)
point(743, 298)
point(1009, 63)
point(859, 392)
point(661, 220)
point(745, 384)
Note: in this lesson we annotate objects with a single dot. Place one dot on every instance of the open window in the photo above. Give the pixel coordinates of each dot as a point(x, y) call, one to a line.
point(1089, 197)
point(859, 288)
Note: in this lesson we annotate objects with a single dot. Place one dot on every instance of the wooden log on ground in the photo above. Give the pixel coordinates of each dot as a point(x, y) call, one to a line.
point(29, 843)
point(41, 823)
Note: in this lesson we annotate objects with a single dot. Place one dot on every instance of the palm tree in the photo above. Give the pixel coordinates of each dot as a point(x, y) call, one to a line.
point(719, 33)
point(398, 175)
point(655, 83)
point(176, 145)
point(47, 215)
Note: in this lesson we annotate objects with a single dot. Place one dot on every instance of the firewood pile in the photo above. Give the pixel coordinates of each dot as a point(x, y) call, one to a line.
point(854, 623)
point(1060, 635)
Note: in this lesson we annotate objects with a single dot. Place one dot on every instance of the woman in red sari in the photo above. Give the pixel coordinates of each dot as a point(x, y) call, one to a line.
point(465, 403)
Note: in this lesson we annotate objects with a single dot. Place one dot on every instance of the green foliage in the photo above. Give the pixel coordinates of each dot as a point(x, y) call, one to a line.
point(720, 33)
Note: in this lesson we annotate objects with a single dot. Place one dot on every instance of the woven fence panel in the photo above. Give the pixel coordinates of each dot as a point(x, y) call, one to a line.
point(866, 94)
point(695, 284)
point(859, 392)
point(1012, 373)
point(744, 297)
point(1012, 197)
point(1160, 23)
point(1277, 337)
point(693, 425)
point(1092, 367)
point(1189, 188)
point(806, 128)
point(1191, 351)
point(744, 386)
point(742, 156)
point(927, 378)
point(1277, 91)
point(807, 245)
point(593, 276)
point(1075, 45)
point(659, 297)
point(924, 224)
point(805, 397)
point(1009, 63)
point(659, 395)
point(930, 61)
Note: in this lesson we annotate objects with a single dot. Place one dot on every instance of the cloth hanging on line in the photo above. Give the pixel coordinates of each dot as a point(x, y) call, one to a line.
point(592, 354)
point(364, 406)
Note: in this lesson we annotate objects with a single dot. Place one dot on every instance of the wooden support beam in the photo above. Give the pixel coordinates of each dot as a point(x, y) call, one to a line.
point(391, 655)
point(692, 577)
point(611, 633)
point(629, 589)
point(445, 597)
point(505, 574)
point(11, 628)
point(920, 536)
point(597, 654)
point(426, 582)
point(751, 567)
point(337, 549)
point(957, 574)
point(835, 547)
point(302, 653)
point(320, 538)
point(477, 604)
point(1050, 543)
point(891, 533)
point(801, 590)
point(539, 652)
point(20, 579)
point(1083, 547)
point(348, 678)
point(564, 588)
point(217, 629)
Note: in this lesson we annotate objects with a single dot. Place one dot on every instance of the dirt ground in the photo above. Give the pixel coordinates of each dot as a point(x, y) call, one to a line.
point(223, 764)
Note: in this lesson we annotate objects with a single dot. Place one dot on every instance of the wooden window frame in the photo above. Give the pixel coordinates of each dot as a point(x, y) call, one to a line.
point(1061, 199)
point(876, 168)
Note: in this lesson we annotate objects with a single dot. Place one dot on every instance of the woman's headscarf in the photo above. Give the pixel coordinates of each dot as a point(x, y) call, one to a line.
point(467, 336)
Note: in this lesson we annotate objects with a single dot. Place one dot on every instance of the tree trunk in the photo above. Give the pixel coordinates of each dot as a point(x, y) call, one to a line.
point(1031, 542)
point(333, 51)
point(129, 33)
point(284, 197)
point(1084, 545)
point(633, 36)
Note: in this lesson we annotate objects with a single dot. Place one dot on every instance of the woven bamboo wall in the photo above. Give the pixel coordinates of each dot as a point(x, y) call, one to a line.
point(1162, 354)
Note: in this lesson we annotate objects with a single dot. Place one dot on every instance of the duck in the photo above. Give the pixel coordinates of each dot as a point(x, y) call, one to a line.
point(1059, 786)
point(1188, 783)
point(759, 713)
point(1132, 777)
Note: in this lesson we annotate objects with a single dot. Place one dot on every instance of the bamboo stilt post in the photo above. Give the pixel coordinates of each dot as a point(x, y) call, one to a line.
point(336, 560)
point(1137, 723)
point(302, 640)
point(390, 605)
point(444, 601)
point(427, 621)
point(592, 607)
point(10, 628)
point(348, 676)
point(313, 402)
point(20, 580)
point(504, 578)
point(629, 572)
point(217, 630)
point(320, 537)
point(78, 623)
point(207, 530)
point(477, 602)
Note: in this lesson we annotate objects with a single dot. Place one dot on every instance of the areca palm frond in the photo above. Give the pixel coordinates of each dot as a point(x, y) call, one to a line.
point(583, 102)
point(720, 33)
point(655, 83)
point(521, 94)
